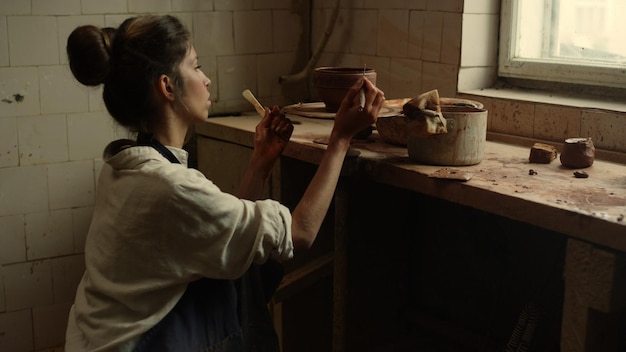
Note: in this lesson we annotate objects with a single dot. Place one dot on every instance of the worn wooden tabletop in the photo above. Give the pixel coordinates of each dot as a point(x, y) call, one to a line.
point(503, 183)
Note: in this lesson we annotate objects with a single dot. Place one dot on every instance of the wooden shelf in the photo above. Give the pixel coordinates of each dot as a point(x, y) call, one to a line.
point(305, 276)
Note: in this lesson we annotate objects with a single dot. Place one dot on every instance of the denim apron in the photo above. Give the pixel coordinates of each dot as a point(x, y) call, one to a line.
point(219, 315)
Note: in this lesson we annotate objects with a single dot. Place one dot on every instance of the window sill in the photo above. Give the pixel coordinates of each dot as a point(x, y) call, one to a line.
point(553, 117)
point(554, 98)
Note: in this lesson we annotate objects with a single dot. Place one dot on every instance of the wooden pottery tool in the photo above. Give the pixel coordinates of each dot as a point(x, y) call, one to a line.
point(257, 106)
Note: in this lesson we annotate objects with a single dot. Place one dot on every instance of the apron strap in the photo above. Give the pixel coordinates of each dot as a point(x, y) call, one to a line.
point(149, 140)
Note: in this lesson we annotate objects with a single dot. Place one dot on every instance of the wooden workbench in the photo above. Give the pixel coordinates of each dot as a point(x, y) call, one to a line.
point(589, 211)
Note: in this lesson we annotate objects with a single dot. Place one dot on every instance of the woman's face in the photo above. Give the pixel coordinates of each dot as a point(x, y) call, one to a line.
point(196, 96)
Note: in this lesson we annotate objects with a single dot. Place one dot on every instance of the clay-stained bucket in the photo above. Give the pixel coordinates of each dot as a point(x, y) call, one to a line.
point(464, 144)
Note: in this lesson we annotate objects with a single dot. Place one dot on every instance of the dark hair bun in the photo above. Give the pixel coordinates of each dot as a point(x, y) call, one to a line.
point(88, 49)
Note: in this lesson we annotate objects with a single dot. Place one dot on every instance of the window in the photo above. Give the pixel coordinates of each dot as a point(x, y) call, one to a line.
point(567, 41)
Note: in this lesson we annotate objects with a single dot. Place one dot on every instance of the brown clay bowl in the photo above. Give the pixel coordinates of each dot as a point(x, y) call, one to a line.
point(332, 83)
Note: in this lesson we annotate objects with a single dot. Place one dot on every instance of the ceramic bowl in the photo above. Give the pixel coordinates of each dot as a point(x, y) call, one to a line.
point(394, 129)
point(332, 83)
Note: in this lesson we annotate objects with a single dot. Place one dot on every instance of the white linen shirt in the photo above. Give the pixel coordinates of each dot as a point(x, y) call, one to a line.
point(156, 227)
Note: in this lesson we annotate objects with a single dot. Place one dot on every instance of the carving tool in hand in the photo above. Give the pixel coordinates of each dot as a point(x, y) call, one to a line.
point(257, 106)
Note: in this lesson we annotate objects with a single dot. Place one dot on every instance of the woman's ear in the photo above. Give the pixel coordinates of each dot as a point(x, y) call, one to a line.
point(166, 87)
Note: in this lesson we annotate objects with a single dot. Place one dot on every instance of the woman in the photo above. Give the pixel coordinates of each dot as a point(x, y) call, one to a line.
point(173, 263)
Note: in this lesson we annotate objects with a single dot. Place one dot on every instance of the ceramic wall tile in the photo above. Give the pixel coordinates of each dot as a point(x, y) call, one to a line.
point(362, 37)
point(23, 190)
point(481, 6)
point(433, 34)
point(28, 284)
point(89, 133)
point(354, 4)
point(97, 166)
point(445, 5)
point(340, 30)
point(213, 35)
point(81, 219)
point(115, 20)
point(49, 234)
point(12, 240)
point(513, 117)
point(276, 4)
point(66, 274)
point(337, 59)
point(451, 40)
point(288, 28)
point(393, 27)
point(33, 40)
point(4, 42)
point(60, 91)
point(186, 18)
point(607, 129)
point(248, 38)
point(2, 299)
point(17, 327)
point(149, 6)
point(192, 5)
point(405, 78)
point(236, 74)
point(15, 7)
point(270, 68)
point(42, 139)
point(477, 77)
point(232, 5)
point(104, 7)
point(415, 40)
point(66, 24)
point(57, 7)
point(480, 40)
point(49, 323)
point(9, 154)
point(71, 184)
point(340, 33)
point(441, 77)
point(556, 123)
point(96, 102)
point(388, 4)
point(19, 91)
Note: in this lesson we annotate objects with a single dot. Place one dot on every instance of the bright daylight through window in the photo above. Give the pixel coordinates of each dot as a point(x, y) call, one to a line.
point(570, 41)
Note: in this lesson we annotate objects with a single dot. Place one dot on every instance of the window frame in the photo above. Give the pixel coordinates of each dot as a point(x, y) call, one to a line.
point(548, 70)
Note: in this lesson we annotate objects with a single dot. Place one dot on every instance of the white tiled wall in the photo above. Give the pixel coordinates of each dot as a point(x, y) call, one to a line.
point(53, 130)
point(413, 45)
point(29, 45)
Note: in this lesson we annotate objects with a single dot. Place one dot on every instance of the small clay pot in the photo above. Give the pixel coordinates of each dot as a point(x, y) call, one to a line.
point(332, 83)
point(578, 153)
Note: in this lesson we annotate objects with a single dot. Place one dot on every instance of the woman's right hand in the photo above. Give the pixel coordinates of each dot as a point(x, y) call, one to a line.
point(351, 118)
point(308, 215)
